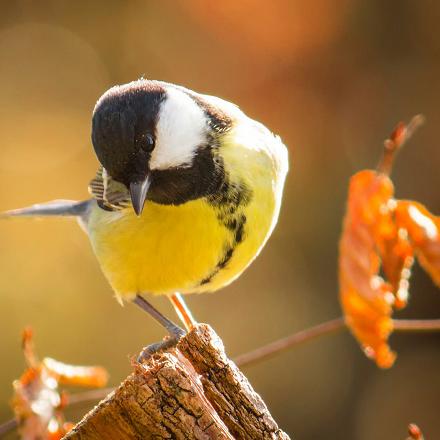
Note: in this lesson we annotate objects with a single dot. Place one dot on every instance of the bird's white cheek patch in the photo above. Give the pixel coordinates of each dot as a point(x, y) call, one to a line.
point(180, 129)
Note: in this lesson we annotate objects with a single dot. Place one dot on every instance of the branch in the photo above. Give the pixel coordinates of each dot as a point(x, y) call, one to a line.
point(327, 328)
point(283, 344)
point(193, 391)
point(8, 426)
point(399, 137)
point(416, 325)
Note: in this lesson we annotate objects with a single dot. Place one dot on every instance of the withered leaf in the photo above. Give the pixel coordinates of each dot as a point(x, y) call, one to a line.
point(366, 298)
point(424, 233)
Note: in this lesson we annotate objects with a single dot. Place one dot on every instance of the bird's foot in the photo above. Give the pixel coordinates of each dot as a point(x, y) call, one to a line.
point(175, 332)
point(152, 349)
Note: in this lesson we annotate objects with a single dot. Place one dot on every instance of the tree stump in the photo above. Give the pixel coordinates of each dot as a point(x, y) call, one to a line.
point(192, 391)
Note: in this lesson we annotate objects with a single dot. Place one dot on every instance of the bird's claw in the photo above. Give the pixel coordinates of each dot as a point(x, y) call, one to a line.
point(150, 350)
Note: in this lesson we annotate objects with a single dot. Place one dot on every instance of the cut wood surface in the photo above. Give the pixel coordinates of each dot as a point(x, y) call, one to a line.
point(192, 391)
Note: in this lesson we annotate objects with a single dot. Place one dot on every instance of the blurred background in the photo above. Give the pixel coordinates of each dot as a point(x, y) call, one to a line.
point(332, 77)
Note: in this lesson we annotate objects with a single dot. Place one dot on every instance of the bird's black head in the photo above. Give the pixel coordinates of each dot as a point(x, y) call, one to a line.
point(159, 141)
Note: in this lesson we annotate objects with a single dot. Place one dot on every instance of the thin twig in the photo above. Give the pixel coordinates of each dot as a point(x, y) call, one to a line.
point(416, 325)
point(8, 426)
point(284, 343)
point(326, 328)
point(398, 138)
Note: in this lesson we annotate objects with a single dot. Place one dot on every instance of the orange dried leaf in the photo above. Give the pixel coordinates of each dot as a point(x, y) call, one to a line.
point(396, 254)
point(373, 239)
point(366, 298)
point(414, 432)
point(424, 232)
point(37, 400)
point(27, 345)
point(55, 430)
point(76, 375)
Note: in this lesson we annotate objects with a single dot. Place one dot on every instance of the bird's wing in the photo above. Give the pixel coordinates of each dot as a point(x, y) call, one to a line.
point(57, 208)
point(109, 194)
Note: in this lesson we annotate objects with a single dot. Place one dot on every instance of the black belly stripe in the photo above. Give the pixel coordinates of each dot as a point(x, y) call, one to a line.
point(228, 250)
point(228, 202)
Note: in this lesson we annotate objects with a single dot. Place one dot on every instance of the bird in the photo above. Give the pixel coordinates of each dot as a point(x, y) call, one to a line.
point(187, 193)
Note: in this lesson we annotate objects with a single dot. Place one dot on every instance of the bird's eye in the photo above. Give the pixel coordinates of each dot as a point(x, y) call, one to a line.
point(147, 143)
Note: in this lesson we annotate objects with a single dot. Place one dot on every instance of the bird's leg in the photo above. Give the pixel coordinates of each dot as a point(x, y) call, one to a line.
point(174, 330)
point(183, 311)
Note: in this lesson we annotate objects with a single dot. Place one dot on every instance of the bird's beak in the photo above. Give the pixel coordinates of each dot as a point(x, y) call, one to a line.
point(138, 193)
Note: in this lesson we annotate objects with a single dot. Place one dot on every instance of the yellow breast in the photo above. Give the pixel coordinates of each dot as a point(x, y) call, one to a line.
point(174, 248)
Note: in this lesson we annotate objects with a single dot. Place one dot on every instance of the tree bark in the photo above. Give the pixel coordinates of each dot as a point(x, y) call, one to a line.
point(192, 391)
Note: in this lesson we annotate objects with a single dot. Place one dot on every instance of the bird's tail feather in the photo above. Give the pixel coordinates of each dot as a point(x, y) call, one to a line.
point(57, 208)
